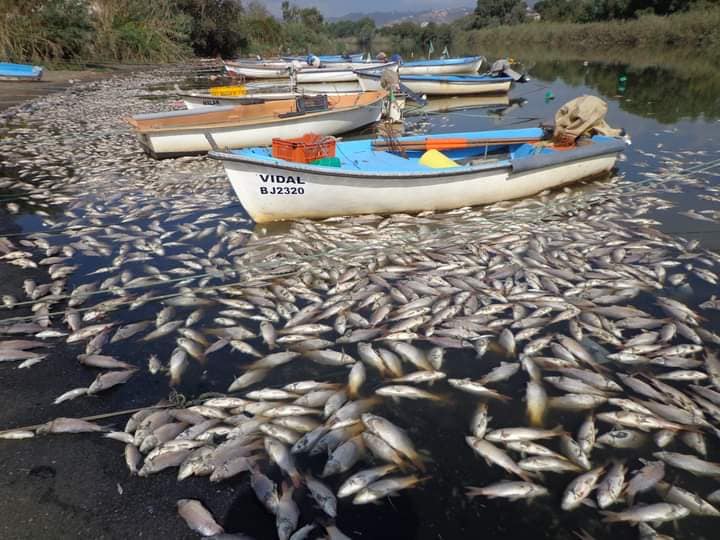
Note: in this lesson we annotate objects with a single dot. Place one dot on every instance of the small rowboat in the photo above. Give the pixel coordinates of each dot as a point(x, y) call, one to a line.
point(258, 70)
point(442, 66)
point(183, 132)
point(435, 85)
point(20, 72)
point(491, 166)
point(304, 73)
point(336, 74)
point(329, 58)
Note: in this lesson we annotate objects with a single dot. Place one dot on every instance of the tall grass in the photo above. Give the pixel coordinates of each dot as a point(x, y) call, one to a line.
point(104, 30)
point(129, 30)
point(698, 29)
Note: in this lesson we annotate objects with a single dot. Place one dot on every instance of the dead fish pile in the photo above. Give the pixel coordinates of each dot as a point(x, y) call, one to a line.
point(586, 319)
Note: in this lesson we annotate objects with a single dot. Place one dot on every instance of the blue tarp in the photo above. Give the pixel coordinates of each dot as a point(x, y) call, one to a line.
point(19, 70)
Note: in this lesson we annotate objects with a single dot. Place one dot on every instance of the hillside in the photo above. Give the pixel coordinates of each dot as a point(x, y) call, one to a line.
point(444, 15)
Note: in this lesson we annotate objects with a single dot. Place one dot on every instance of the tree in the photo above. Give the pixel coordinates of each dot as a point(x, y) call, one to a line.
point(264, 31)
point(216, 27)
point(497, 12)
point(67, 26)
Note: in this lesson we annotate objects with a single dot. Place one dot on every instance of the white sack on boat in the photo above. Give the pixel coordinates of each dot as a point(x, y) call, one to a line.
point(584, 115)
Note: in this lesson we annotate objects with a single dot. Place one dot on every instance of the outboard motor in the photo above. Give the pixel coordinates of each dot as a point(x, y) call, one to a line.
point(502, 67)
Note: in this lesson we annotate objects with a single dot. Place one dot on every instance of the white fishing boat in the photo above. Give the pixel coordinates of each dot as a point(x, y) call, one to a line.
point(434, 85)
point(258, 70)
point(373, 177)
point(303, 72)
point(183, 132)
point(334, 74)
point(442, 66)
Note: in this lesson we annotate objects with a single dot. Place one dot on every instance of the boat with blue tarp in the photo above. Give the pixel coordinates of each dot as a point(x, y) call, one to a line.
point(412, 174)
point(20, 72)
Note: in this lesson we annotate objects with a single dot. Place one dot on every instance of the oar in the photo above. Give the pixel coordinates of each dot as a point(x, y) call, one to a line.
point(449, 144)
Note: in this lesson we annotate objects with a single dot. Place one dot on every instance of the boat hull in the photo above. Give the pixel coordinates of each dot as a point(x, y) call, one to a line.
point(327, 75)
point(439, 88)
point(251, 72)
point(439, 68)
point(305, 194)
point(192, 140)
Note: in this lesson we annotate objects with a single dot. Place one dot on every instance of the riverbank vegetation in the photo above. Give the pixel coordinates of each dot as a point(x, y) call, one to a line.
point(697, 28)
point(142, 31)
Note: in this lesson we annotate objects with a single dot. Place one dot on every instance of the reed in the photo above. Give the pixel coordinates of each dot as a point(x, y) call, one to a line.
point(698, 29)
point(104, 30)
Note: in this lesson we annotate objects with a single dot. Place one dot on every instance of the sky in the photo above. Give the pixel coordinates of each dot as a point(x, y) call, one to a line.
point(336, 8)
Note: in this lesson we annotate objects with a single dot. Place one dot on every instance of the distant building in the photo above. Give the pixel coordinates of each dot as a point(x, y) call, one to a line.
point(531, 14)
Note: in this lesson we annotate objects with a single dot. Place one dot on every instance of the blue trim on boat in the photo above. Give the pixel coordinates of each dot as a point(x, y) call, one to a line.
point(443, 61)
point(329, 58)
point(376, 73)
point(359, 159)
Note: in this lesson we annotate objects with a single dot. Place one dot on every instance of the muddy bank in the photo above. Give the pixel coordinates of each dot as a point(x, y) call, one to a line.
point(12, 92)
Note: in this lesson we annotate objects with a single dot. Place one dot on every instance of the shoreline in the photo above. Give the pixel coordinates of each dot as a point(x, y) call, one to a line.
point(16, 92)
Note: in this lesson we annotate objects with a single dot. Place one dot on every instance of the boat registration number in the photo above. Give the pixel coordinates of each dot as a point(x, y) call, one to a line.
point(281, 190)
point(211, 102)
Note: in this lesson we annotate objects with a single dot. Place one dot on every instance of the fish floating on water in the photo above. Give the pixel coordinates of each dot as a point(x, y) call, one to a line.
point(336, 331)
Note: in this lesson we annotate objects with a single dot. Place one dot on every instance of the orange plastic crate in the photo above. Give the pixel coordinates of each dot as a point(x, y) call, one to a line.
point(304, 149)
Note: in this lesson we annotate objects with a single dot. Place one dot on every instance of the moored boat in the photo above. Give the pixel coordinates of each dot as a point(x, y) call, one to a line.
point(446, 85)
point(258, 70)
point(303, 72)
point(328, 58)
point(183, 132)
point(20, 72)
point(475, 168)
point(442, 66)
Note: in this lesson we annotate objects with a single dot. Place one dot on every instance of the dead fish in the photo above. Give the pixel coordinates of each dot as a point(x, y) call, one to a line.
point(198, 518)
point(69, 425)
point(110, 379)
point(101, 361)
point(512, 491)
point(658, 513)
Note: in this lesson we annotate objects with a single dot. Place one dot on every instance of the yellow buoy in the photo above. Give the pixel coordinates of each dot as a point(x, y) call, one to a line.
point(436, 160)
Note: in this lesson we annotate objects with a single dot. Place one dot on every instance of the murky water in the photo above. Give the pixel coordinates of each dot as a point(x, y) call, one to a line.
point(672, 120)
